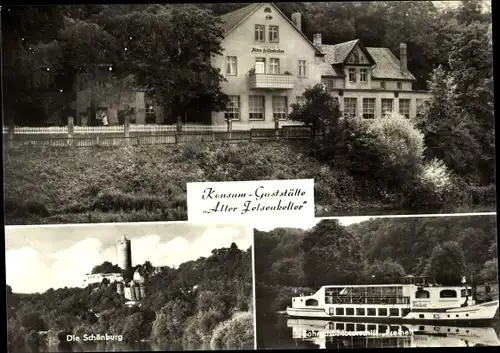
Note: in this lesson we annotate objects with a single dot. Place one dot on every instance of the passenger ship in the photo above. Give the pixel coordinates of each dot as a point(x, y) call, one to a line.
point(419, 299)
point(379, 335)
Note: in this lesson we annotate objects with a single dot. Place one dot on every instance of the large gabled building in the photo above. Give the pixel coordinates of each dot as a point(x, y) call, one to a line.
point(268, 63)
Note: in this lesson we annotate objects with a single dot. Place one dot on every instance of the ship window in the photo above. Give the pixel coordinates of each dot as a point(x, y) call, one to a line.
point(340, 326)
point(349, 311)
point(360, 327)
point(360, 311)
point(382, 312)
point(421, 328)
point(349, 327)
point(372, 312)
point(421, 316)
point(405, 312)
point(393, 328)
point(448, 293)
point(339, 311)
point(382, 329)
point(393, 312)
point(463, 293)
point(311, 302)
point(372, 327)
point(421, 294)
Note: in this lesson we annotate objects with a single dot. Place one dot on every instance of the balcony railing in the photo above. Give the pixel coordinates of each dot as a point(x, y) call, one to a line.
point(271, 81)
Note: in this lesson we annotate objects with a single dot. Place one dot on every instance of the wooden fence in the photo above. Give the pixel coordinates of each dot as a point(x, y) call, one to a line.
point(78, 136)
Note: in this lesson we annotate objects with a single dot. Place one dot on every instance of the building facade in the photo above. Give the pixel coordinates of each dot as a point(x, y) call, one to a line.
point(99, 277)
point(370, 82)
point(268, 63)
point(124, 253)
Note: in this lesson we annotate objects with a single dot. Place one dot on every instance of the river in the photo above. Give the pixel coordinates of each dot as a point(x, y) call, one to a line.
point(116, 347)
point(281, 332)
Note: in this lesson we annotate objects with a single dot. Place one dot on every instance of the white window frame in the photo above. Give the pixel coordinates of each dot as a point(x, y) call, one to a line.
point(263, 61)
point(351, 71)
point(369, 108)
point(256, 110)
point(302, 68)
point(274, 66)
point(405, 100)
point(260, 33)
point(233, 109)
point(231, 65)
point(274, 34)
point(363, 75)
point(384, 106)
point(280, 107)
point(350, 111)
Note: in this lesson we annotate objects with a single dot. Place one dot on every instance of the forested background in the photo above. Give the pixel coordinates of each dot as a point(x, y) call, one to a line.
point(293, 261)
point(206, 303)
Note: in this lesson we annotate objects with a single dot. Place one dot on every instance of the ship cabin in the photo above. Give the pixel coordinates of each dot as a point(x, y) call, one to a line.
point(387, 300)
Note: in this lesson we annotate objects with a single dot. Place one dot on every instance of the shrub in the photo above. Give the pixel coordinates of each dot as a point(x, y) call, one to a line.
point(235, 333)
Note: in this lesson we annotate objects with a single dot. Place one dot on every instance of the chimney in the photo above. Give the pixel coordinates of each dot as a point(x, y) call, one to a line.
point(297, 20)
point(317, 39)
point(403, 57)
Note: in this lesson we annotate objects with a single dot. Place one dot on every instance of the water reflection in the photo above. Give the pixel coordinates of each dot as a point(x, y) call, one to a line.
point(118, 347)
point(324, 334)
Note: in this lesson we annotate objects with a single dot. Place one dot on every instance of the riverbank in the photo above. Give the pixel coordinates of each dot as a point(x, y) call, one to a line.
point(148, 183)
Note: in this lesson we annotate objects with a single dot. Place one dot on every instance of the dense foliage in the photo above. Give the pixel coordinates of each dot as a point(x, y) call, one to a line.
point(384, 250)
point(48, 50)
point(201, 303)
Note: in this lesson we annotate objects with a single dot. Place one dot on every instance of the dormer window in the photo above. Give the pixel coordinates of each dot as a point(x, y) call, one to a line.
point(363, 73)
point(400, 85)
point(352, 75)
point(267, 9)
point(260, 33)
point(382, 85)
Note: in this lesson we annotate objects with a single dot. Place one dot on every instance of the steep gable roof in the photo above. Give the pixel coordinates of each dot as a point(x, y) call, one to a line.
point(232, 19)
point(336, 54)
point(388, 65)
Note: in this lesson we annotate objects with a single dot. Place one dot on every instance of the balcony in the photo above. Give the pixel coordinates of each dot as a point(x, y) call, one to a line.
point(271, 81)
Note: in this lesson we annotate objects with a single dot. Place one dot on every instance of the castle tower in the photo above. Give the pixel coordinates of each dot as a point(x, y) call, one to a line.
point(124, 253)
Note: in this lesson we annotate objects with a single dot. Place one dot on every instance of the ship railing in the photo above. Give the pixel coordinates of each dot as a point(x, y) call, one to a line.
point(367, 300)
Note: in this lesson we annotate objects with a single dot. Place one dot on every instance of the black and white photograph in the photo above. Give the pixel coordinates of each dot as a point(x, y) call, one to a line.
point(109, 110)
point(361, 282)
point(129, 287)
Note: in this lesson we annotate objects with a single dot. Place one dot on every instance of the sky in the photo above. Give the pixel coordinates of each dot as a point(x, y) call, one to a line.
point(43, 257)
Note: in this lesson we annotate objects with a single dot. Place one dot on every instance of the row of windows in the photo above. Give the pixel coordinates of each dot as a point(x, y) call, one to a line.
point(445, 293)
point(351, 106)
point(256, 107)
point(260, 33)
point(261, 67)
point(368, 312)
point(363, 75)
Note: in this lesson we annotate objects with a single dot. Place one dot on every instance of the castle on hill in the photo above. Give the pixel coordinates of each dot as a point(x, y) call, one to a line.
point(134, 290)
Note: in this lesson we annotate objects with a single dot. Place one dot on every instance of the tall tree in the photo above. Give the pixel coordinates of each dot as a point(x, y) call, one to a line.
point(169, 50)
point(447, 263)
point(332, 255)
